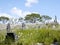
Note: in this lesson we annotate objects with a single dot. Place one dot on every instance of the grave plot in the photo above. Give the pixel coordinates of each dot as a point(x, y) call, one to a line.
point(10, 36)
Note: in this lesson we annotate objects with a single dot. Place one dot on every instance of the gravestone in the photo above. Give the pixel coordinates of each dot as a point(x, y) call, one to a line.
point(10, 37)
point(8, 28)
point(55, 41)
point(23, 26)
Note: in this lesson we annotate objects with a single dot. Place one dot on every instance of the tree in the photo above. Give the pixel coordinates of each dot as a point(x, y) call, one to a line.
point(32, 17)
point(20, 19)
point(3, 19)
point(45, 18)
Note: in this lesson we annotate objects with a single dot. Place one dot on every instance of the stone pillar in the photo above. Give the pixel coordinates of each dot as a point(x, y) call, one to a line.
point(8, 28)
point(23, 26)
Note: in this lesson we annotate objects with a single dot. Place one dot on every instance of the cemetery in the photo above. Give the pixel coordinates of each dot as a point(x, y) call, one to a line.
point(29, 22)
point(29, 36)
point(30, 32)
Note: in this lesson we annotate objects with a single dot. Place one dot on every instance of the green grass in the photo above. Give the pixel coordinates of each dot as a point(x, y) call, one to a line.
point(32, 36)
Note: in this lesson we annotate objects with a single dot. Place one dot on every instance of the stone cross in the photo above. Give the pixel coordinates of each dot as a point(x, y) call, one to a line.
point(8, 28)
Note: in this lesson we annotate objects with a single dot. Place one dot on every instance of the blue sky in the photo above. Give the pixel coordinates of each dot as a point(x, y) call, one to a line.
point(19, 8)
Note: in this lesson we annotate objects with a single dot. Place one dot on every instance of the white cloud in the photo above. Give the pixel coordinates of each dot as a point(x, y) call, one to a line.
point(30, 2)
point(16, 11)
point(20, 12)
point(4, 14)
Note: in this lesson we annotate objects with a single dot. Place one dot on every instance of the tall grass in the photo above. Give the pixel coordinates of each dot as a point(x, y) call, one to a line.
point(33, 36)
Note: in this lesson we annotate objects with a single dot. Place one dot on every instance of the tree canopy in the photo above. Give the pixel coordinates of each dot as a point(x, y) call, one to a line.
point(32, 17)
point(45, 18)
point(4, 19)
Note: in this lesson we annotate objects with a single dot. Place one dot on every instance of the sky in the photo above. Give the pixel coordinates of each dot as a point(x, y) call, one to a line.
point(20, 8)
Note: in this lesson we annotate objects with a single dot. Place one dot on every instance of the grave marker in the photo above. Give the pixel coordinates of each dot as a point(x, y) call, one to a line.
point(23, 26)
point(55, 41)
point(10, 37)
point(8, 28)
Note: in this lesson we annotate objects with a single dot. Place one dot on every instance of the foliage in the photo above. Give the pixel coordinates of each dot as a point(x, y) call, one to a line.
point(45, 18)
point(32, 36)
point(3, 18)
point(20, 19)
point(33, 17)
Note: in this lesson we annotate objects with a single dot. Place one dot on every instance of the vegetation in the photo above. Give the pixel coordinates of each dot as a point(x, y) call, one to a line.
point(3, 18)
point(45, 18)
point(32, 17)
point(32, 36)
